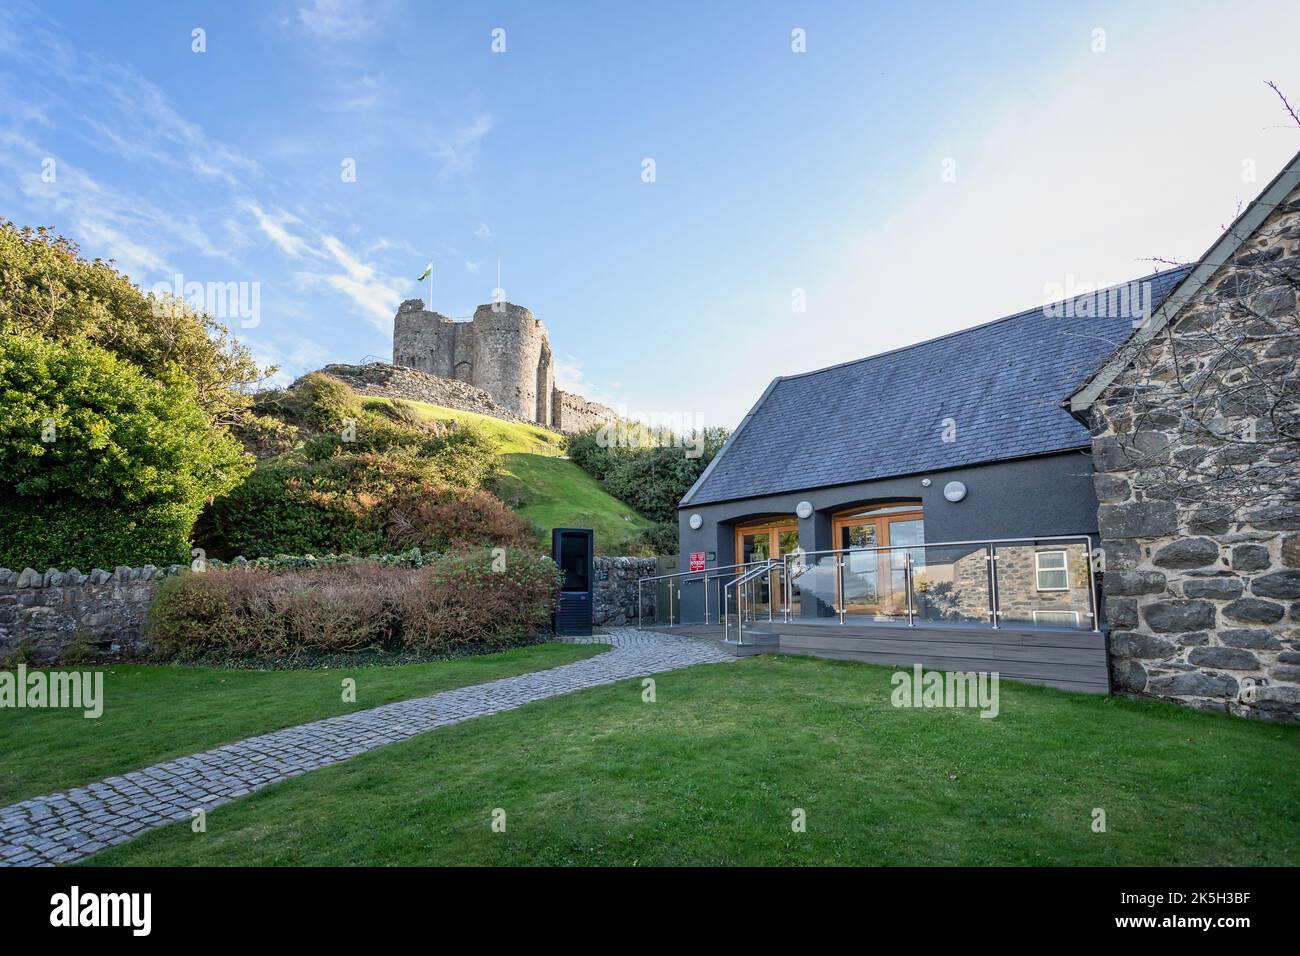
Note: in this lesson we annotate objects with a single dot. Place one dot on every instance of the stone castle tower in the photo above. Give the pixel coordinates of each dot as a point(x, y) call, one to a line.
point(504, 351)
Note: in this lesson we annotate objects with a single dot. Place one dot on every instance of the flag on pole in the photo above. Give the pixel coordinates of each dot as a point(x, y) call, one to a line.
point(425, 274)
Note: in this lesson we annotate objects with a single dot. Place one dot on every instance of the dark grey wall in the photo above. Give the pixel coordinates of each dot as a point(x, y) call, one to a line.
point(1049, 495)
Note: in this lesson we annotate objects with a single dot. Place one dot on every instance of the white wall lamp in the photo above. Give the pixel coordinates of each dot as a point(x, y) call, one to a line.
point(804, 509)
point(954, 491)
point(695, 522)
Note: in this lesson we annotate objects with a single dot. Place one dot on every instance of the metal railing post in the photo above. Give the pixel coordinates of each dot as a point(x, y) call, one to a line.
point(993, 585)
point(907, 582)
point(740, 614)
point(706, 598)
point(640, 592)
point(839, 584)
point(1092, 590)
point(726, 618)
point(671, 587)
point(771, 593)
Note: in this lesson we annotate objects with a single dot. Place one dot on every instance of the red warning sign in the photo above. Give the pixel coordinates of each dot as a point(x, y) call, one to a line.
point(697, 560)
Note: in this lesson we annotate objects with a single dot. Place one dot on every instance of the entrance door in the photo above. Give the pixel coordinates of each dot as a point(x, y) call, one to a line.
point(875, 582)
point(758, 541)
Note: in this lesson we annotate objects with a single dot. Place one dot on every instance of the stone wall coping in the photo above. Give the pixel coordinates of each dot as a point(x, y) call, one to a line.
point(72, 577)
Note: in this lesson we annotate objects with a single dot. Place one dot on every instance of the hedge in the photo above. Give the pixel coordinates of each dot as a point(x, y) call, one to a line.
point(440, 604)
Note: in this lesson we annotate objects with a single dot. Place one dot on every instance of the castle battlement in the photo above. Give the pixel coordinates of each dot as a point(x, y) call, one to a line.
point(504, 350)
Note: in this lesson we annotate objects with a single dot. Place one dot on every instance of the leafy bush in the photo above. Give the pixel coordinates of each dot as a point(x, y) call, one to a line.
point(453, 519)
point(99, 464)
point(367, 478)
point(650, 471)
point(462, 600)
point(253, 613)
point(449, 602)
point(47, 289)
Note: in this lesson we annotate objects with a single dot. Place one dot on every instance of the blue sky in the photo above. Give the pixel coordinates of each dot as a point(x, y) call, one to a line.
point(1076, 157)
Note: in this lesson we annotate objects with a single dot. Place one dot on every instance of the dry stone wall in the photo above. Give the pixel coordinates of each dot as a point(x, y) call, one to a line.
point(614, 602)
point(43, 614)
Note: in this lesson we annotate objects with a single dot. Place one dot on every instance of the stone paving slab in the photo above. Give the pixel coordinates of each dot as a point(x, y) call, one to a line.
point(67, 826)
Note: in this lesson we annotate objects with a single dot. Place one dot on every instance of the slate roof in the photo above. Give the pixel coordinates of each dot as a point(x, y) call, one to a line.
point(1003, 384)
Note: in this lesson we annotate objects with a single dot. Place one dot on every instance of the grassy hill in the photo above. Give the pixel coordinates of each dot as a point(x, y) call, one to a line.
point(546, 489)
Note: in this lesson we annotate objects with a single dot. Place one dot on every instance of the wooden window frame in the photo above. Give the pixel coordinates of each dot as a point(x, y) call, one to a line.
point(1064, 568)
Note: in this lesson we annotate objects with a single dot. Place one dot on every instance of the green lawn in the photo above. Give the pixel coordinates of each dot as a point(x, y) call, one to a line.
point(154, 713)
point(548, 490)
point(711, 772)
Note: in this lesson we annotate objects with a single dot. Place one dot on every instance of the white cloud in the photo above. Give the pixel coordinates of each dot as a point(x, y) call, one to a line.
point(472, 267)
point(273, 225)
point(483, 232)
point(373, 294)
point(570, 377)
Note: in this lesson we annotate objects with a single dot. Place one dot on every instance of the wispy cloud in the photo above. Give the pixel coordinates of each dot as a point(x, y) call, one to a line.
point(458, 151)
point(273, 225)
point(336, 20)
point(376, 296)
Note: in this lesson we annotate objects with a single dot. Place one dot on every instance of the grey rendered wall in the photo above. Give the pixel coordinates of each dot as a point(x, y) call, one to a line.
point(1049, 495)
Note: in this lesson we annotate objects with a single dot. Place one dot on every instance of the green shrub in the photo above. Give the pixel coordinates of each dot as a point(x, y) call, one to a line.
point(462, 600)
point(99, 464)
point(448, 603)
point(660, 538)
point(651, 472)
point(355, 504)
point(367, 479)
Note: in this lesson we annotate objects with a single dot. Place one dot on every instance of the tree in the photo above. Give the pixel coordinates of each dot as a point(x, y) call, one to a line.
point(48, 289)
point(101, 464)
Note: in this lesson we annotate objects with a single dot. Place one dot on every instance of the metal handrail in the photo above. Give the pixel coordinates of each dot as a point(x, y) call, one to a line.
point(765, 567)
point(757, 568)
point(719, 571)
point(991, 544)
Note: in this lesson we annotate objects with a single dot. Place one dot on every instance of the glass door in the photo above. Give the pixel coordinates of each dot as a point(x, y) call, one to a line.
point(875, 582)
point(757, 542)
point(753, 547)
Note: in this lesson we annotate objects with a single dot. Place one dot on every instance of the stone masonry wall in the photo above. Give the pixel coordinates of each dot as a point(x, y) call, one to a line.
point(1203, 596)
point(1018, 593)
point(45, 613)
point(394, 381)
point(503, 352)
point(614, 602)
point(573, 413)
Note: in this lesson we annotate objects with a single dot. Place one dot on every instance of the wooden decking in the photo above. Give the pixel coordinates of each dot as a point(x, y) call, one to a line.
point(1069, 660)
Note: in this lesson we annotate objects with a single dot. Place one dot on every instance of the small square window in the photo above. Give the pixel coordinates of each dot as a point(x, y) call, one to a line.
point(1049, 568)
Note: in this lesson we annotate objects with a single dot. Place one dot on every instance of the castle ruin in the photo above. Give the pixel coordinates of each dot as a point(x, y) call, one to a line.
point(504, 350)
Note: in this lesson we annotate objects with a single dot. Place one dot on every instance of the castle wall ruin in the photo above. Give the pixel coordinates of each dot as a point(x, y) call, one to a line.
point(504, 350)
